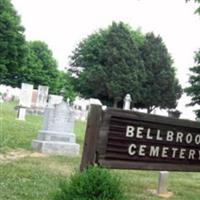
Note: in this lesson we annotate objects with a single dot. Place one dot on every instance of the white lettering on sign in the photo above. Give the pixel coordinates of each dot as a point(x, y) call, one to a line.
point(139, 132)
point(197, 139)
point(174, 150)
point(158, 137)
point(179, 137)
point(130, 131)
point(148, 134)
point(191, 154)
point(131, 149)
point(154, 151)
point(188, 138)
point(164, 152)
point(142, 150)
point(168, 136)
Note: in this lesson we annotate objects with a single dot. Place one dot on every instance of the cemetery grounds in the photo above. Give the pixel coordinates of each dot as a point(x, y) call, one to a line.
point(27, 175)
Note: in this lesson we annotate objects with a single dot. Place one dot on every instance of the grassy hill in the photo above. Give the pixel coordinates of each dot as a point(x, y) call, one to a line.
point(25, 175)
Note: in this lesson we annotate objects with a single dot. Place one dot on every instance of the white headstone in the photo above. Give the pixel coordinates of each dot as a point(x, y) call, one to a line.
point(127, 102)
point(25, 95)
point(55, 99)
point(56, 136)
point(163, 182)
point(21, 113)
point(42, 96)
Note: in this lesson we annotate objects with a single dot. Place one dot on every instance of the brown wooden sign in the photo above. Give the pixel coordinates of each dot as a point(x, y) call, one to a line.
point(131, 140)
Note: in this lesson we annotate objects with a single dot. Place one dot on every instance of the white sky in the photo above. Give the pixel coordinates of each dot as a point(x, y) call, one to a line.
point(62, 24)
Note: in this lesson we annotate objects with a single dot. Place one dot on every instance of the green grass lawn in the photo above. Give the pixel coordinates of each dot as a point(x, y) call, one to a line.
point(38, 178)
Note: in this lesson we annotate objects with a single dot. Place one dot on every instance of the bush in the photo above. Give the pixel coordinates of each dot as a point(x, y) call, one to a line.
point(92, 184)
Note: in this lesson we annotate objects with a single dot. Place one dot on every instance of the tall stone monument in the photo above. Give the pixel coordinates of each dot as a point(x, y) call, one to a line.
point(42, 96)
point(57, 135)
point(127, 102)
point(24, 100)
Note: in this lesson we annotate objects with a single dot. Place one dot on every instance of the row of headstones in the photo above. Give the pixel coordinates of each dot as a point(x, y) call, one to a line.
point(8, 93)
point(57, 134)
point(34, 101)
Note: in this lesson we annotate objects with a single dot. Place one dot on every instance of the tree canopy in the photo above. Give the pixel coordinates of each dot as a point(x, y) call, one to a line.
point(41, 67)
point(12, 44)
point(111, 64)
point(118, 60)
point(194, 80)
point(161, 88)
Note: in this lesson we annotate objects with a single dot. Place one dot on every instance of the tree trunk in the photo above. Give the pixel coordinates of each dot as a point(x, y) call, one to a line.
point(148, 110)
point(115, 103)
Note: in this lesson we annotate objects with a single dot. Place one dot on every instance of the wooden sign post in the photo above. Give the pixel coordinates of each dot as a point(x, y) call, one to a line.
point(131, 140)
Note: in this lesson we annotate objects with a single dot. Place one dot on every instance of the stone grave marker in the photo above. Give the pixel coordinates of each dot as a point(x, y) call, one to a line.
point(55, 99)
point(57, 135)
point(34, 98)
point(24, 100)
point(127, 102)
point(42, 96)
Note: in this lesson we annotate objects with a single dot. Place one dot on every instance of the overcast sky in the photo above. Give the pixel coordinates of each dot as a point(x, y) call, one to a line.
point(62, 24)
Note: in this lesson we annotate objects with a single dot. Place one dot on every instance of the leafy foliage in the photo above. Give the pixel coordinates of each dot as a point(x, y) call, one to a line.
point(119, 60)
point(12, 45)
point(194, 89)
point(66, 83)
point(161, 88)
point(112, 65)
point(92, 184)
point(41, 67)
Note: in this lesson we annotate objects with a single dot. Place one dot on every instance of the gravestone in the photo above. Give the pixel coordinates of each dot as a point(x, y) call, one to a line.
point(55, 99)
point(127, 102)
point(57, 136)
point(34, 98)
point(42, 96)
point(24, 100)
point(25, 95)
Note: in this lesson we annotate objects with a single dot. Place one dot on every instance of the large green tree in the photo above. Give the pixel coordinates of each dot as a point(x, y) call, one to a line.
point(111, 65)
point(161, 88)
point(194, 80)
point(41, 67)
point(12, 44)
point(66, 84)
point(119, 60)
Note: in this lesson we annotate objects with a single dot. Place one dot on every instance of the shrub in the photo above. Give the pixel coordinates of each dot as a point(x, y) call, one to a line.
point(95, 183)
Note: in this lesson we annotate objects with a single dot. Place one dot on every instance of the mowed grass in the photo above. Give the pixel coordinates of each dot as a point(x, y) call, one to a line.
point(15, 133)
point(38, 178)
point(19, 134)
